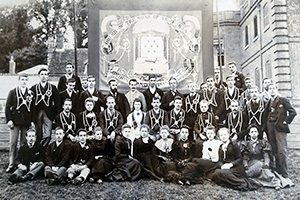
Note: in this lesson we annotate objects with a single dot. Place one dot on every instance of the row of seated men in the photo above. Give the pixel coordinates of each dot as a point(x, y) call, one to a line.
point(96, 159)
point(230, 106)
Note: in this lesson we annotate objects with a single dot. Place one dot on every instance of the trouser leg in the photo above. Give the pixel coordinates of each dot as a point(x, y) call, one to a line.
point(39, 127)
point(84, 173)
point(61, 173)
point(281, 153)
point(37, 167)
point(47, 128)
point(14, 135)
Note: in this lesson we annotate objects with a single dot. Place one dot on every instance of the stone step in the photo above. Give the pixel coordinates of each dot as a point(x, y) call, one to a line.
point(4, 136)
point(293, 137)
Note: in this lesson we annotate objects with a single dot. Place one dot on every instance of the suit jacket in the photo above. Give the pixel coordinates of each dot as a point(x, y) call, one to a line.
point(257, 114)
point(149, 96)
point(84, 156)
point(87, 123)
point(280, 110)
point(240, 81)
point(192, 108)
point(46, 99)
point(155, 121)
point(75, 100)
point(110, 123)
point(17, 110)
point(67, 123)
point(215, 99)
point(239, 123)
point(122, 104)
point(167, 98)
point(27, 155)
point(58, 156)
point(99, 103)
point(63, 80)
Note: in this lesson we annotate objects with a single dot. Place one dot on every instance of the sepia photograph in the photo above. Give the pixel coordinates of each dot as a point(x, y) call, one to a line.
point(149, 99)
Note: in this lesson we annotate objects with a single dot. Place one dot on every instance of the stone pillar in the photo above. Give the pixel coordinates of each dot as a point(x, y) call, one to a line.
point(281, 44)
point(12, 65)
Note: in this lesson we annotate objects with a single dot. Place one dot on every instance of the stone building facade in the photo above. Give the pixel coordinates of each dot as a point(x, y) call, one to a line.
point(263, 38)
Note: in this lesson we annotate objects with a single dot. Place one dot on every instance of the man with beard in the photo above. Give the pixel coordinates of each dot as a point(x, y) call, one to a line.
point(64, 79)
point(122, 104)
point(238, 76)
point(220, 84)
point(93, 93)
point(167, 102)
point(135, 94)
point(47, 106)
point(67, 121)
point(152, 91)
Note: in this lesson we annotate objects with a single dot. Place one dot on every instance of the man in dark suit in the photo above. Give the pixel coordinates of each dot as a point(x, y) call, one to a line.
point(255, 110)
point(92, 92)
point(57, 158)
point(122, 104)
point(220, 84)
point(67, 121)
point(167, 102)
point(81, 159)
point(47, 106)
point(111, 120)
point(238, 76)
point(191, 105)
point(64, 79)
point(156, 118)
point(280, 114)
point(29, 160)
point(215, 99)
point(152, 91)
point(18, 112)
point(70, 93)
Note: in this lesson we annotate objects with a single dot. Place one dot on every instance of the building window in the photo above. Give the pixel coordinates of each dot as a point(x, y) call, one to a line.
point(268, 69)
point(220, 55)
point(246, 36)
point(266, 15)
point(255, 25)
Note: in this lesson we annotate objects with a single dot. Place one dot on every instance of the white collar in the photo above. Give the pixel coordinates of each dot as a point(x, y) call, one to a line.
point(58, 143)
point(43, 84)
point(152, 89)
point(91, 91)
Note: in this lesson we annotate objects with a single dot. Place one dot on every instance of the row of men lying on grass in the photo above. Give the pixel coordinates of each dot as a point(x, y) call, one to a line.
point(244, 167)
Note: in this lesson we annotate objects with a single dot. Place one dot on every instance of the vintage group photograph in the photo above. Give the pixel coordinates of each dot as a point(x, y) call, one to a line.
point(139, 99)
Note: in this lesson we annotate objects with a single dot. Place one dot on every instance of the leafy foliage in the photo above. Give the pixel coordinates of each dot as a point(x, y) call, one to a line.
point(28, 43)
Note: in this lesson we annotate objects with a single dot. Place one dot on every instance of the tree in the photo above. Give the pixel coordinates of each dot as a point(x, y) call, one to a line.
point(15, 33)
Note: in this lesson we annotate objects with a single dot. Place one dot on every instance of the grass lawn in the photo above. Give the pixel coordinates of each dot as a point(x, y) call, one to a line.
point(143, 189)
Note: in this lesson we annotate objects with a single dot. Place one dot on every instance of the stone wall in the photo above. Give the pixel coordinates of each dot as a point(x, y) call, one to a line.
point(293, 25)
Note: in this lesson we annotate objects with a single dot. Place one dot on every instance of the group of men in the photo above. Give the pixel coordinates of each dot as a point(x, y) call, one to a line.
point(76, 107)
